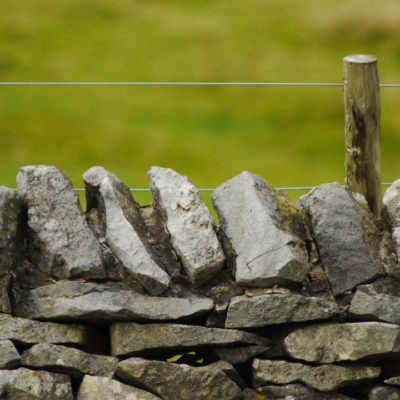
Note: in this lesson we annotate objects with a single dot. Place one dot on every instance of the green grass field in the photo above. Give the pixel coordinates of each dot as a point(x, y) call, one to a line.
point(290, 136)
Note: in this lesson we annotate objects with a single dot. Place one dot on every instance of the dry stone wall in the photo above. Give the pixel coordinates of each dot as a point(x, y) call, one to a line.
point(124, 301)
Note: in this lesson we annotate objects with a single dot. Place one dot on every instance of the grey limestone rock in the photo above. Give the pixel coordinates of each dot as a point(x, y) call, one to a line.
point(230, 371)
point(277, 308)
point(5, 302)
point(178, 381)
point(334, 342)
point(379, 300)
point(100, 388)
point(125, 230)
point(189, 223)
point(290, 392)
point(67, 360)
point(264, 230)
point(384, 393)
point(345, 234)
point(238, 355)
point(133, 338)
point(101, 303)
point(394, 380)
point(324, 378)
point(61, 240)
point(10, 357)
point(28, 332)
point(24, 384)
point(391, 212)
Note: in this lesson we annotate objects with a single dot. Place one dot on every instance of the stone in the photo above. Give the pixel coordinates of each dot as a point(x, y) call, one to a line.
point(324, 378)
point(290, 392)
point(5, 303)
point(391, 212)
point(28, 332)
point(100, 388)
point(10, 357)
point(125, 230)
point(101, 303)
point(335, 342)
point(178, 381)
point(346, 236)
point(62, 243)
point(189, 223)
point(277, 308)
point(394, 380)
point(230, 371)
point(379, 300)
point(134, 339)
point(238, 355)
point(264, 230)
point(384, 393)
point(67, 360)
point(24, 384)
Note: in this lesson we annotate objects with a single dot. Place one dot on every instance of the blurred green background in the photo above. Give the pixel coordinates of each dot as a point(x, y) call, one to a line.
point(290, 136)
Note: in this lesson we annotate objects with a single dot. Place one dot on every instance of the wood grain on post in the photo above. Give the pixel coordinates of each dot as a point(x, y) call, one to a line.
point(362, 120)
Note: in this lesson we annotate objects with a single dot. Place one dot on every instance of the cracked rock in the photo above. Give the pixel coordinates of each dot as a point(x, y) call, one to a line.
point(264, 230)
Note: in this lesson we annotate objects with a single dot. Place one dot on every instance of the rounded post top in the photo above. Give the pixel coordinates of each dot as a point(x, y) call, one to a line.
point(360, 59)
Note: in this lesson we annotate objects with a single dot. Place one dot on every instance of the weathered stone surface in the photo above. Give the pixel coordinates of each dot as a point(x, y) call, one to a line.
point(5, 303)
point(189, 223)
point(26, 331)
point(345, 234)
point(329, 343)
point(133, 338)
point(277, 308)
point(178, 381)
point(324, 378)
point(394, 380)
point(391, 212)
point(229, 370)
point(125, 230)
point(23, 384)
point(379, 300)
point(61, 241)
point(10, 357)
point(98, 388)
point(263, 229)
point(238, 355)
point(290, 392)
point(384, 393)
point(105, 302)
point(68, 360)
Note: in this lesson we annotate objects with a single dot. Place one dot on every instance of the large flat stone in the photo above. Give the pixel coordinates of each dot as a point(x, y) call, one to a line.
point(99, 388)
point(67, 360)
point(345, 234)
point(125, 230)
point(379, 300)
point(104, 303)
point(10, 357)
point(178, 381)
point(189, 223)
point(30, 332)
point(24, 384)
point(61, 241)
point(277, 308)
point(324, 378)
point(334, 342)
point(133, 338)
point(263, 229)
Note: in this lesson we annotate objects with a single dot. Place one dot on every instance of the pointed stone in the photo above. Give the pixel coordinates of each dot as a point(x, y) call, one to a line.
point(24, 384)
point(345, 234)
point(394, 380)
point(277, 308)
point(263, 229)
point(133, 338)
point(28, 332)
point(238, 355)
point(99, 388)
point(125, 230)
point(335, 342)
point(324, 378)
point(10, 357)
point(178, 381)
point(230, 372)
point(189, 223)
point(68, 360)
point(79, 301)
point(62, 242)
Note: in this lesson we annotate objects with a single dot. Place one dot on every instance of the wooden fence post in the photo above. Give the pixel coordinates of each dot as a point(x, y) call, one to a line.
point(362, 124)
